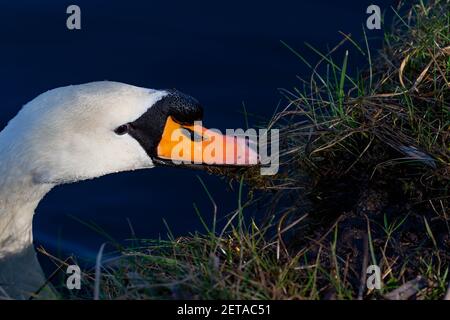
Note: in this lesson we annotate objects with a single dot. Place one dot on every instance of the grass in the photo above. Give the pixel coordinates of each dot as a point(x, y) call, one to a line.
point(364, 181)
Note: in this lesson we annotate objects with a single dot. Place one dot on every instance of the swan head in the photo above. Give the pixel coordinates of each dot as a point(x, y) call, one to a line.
point(85, 131)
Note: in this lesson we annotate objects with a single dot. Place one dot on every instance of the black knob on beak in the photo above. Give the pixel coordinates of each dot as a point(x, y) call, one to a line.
point(182, 107)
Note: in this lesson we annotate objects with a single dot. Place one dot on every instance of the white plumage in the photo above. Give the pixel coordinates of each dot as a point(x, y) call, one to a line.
point(63, 135)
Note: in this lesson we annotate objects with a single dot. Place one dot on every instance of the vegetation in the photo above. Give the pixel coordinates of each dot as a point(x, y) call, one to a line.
point(364, 181)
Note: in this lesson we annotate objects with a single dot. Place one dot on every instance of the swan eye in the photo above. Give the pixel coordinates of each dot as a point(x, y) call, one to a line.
point(123, 129)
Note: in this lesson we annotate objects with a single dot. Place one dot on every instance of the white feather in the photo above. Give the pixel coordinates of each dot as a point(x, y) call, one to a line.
point(63, 135)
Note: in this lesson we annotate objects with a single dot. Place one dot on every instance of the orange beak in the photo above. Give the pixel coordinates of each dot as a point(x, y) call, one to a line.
point(194, 144)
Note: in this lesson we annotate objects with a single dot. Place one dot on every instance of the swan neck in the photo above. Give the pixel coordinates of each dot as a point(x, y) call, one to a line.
point(19, 197)
point(20, 272)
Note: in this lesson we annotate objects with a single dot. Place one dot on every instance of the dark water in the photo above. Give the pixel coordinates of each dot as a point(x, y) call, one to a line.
point(222, 52)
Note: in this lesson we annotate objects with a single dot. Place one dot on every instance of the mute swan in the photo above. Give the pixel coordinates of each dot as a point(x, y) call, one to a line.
point(74, 133)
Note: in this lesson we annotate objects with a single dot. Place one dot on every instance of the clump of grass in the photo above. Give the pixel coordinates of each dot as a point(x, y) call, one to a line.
point(394, 115)
point(240, 261)
point(364, 181)
point(376, 148)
